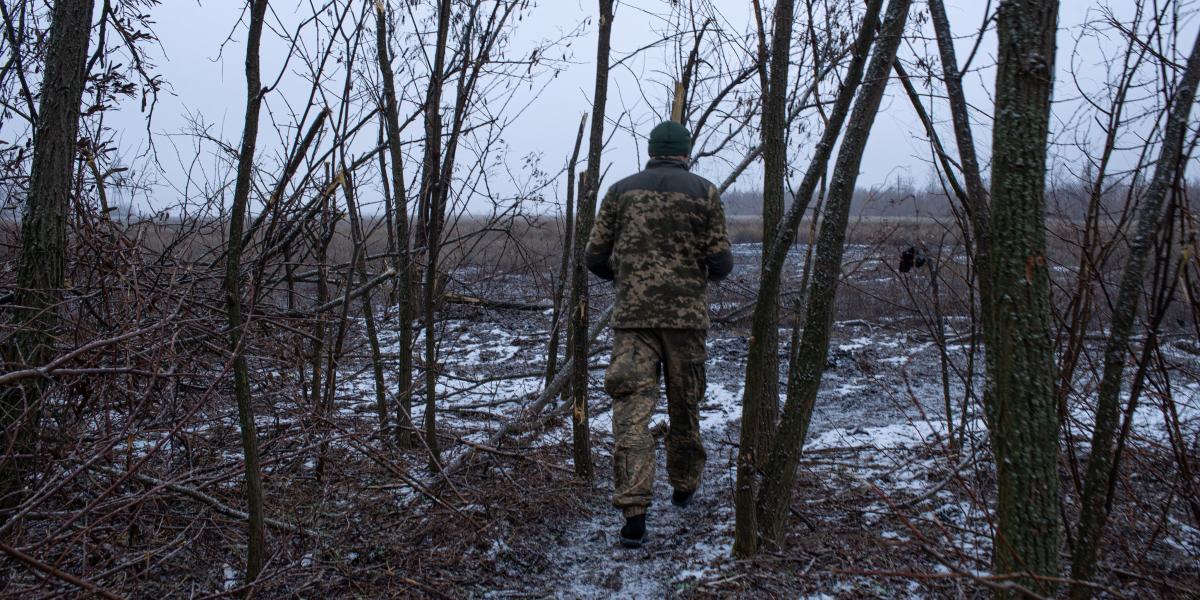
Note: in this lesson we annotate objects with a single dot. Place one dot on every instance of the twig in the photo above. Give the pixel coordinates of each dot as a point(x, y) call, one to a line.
point(51, 367)
point(931, 492)
point(206, 499)
point(57, 573)
point(510, 454)
point(529, 420)
point(361, 290)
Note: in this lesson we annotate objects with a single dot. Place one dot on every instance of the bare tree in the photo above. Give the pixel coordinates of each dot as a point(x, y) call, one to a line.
point(568, 252)
point(1101, 464)
point(974, 195)
point(256, 549)
point(746, 536)
point(1009, 232)
point(404, 292)
point(808, 361)
point(585, 214)
point(434, 213)
point(135, 485)
point(360, 265)
point(760, 407)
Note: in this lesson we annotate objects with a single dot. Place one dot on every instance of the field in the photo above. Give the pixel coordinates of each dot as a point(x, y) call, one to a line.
point(891, 500)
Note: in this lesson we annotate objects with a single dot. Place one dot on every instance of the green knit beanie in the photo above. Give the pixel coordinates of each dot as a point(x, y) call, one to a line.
point(670, 139)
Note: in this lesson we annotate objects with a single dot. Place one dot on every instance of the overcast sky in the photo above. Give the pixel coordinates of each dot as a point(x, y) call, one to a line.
point(205, 79)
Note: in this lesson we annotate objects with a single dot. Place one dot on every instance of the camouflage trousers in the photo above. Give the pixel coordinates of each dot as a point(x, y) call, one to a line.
point(638, 356)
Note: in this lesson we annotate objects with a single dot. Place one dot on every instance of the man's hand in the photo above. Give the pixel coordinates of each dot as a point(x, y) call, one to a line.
point(597, 261)
point(718, 265)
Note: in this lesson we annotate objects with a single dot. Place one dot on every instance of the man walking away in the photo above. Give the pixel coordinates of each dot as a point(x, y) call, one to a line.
point(660, 237)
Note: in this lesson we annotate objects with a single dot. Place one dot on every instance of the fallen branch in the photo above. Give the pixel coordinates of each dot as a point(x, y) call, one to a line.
point(55, 365)
point(744, 311)
point(332, 304)
point(57, 573)
point(496, 304)
point(1185, 591)
point(529, 419)
point(954, 474)
point(512, 454)
point(380, 459)
point(206, 499)
point(995, 582)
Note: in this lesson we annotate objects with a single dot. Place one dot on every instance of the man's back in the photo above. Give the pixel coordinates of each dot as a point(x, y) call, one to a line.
point(660, 236)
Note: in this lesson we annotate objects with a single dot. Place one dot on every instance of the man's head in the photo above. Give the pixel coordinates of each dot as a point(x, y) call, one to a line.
point(670, 139)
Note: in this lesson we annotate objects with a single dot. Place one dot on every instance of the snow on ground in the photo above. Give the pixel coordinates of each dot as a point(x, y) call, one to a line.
point(884, 437)
point(689, 549)
point(494, 367)
point(722, 405)
point(879, 412)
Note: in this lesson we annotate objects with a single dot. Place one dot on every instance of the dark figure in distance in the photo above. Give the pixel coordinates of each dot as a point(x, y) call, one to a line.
point(660, 237)
point(911, 257)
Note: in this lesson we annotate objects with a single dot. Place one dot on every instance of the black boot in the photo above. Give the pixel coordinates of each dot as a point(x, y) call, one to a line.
point(681, 498)
point(634, 531)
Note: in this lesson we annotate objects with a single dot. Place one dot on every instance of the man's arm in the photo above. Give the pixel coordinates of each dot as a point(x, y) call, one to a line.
point(600, 243)
point(717, 256)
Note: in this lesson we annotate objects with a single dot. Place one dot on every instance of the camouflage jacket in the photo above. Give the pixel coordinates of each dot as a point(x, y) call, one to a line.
point(660, 236)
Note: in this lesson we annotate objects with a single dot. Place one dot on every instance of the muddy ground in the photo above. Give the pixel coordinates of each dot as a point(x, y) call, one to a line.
point(884, 505)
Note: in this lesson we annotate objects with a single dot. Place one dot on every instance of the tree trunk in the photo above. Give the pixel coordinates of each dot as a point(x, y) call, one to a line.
point(808, 364)
point(585, 214)
point(321, 242)
point(977, 195)
point(1022, 412)
point(581, 444)
point(564, 268)
point(432, 193)
point(256, 549)
point(976, 202)
point(1101, 467)
point(746, 531)
point(404, 295)
point(764, 409)
point(360, 266)
point(42, 258)
point(321, 323)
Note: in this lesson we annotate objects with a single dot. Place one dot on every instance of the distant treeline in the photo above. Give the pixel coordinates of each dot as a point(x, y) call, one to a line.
point(1067, 201)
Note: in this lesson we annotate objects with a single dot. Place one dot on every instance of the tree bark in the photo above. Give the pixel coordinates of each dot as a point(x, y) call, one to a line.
point(585, 214)
point(746, 530)
point(42, 257)
point(564, 268)
point(403, 263)
point(1101, 467)
point(431, 191)
point(808, 363)
point(256, 548)
point(1022, 412)
point(764, 413)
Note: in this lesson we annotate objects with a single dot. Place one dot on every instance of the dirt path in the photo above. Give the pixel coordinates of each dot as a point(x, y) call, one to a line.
point(683, 546)
point(889, 510)
point(688, 550)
